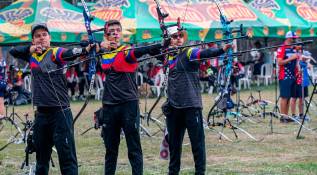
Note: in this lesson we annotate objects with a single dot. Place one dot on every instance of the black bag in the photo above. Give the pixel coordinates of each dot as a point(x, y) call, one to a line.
point(98, 118)
point(166, 108)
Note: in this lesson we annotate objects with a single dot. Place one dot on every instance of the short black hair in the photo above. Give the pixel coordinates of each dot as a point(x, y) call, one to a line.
point(39, 26)
point(112, 22)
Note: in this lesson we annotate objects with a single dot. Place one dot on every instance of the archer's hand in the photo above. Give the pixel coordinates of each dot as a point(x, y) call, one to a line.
point(90, 46)
point(109, 44)
point(293, 57)
point(36, 49)
point(228, 46)
point(304, 58)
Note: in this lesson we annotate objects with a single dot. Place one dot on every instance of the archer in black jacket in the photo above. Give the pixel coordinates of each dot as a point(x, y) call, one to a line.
point(53, 118)
point(184, 106)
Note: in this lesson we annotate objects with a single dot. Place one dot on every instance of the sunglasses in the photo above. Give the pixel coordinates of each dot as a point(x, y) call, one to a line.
point(181, 35)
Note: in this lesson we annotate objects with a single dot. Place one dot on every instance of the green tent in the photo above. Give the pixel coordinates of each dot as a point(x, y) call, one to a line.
point(286, 12)
point(65, 22)
point(307, 10)
point(10, 33)
point(122, 10)
point(255, 24)
point(200, 18)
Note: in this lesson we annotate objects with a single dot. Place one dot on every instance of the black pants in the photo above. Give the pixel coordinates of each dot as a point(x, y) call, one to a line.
point(125, 116)
point(72, 86)
point(257, 68)
point(178, 120)
point(55, 127)
point(81, 85)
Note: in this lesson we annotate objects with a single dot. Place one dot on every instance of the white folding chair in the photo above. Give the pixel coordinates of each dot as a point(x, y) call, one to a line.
point(27, 83)
point(266, 74)
point(246, 80)
point(139, 77)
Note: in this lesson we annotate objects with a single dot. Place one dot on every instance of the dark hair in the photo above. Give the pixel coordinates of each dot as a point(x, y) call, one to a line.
point(112, 22)
point(37, 26)
point(258, 44)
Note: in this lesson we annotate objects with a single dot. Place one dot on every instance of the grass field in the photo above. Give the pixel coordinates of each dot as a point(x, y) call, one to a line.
point(278, 153)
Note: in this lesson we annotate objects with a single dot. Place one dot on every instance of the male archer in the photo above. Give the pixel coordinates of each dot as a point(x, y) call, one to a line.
point(53, 117)
point(183, 109)
point(286, 59)
point(120, 98)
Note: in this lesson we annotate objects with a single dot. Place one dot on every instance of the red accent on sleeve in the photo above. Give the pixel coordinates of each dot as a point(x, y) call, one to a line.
point(133, 56)
point(60, 55)
point(198, 55)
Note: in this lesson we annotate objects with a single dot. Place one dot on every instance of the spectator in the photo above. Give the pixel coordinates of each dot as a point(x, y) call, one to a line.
point(15, 82)
point(152, 70)
point(72, 80)
point(258, 58)
point(301, 87)
point(81, 70)
point(286, 59)
point(203, 74)
point(238, 72)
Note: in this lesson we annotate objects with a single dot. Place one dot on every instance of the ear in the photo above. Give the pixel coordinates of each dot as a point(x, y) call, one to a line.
point(185, 36)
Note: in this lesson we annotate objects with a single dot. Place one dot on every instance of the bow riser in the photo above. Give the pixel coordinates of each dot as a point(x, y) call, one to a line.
point(92, 54)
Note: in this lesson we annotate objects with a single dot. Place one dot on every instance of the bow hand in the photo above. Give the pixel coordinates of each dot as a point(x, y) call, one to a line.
point(226, 47)
point(90, 47)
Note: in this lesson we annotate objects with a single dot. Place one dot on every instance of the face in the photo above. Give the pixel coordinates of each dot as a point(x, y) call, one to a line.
point(41, 37)
point(177, 39)
point(114, 33)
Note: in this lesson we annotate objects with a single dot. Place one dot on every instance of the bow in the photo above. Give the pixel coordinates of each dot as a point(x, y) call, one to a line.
point(161, 16)
point(225, 102)
point(165, 52)
point(228, 35)
point(92, 55)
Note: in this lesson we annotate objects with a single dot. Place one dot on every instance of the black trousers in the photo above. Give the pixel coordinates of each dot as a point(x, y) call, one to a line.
point(116, 117)
point(55, 127)
point(72, 86)
point(81, 85)
point(178, 120)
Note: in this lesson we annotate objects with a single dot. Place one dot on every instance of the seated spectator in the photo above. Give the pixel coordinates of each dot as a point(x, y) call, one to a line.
point(258, 59)
point(72, 80)
point(238, 72)
point(81, 70)
point(152, 72)
point(203, 74)
point(15, 84)
point(158, 71)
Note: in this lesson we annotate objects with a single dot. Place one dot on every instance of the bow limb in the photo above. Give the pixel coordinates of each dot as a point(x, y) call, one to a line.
point(92, 54)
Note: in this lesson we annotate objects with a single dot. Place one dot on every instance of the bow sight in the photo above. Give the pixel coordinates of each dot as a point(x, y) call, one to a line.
point(161, 16)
